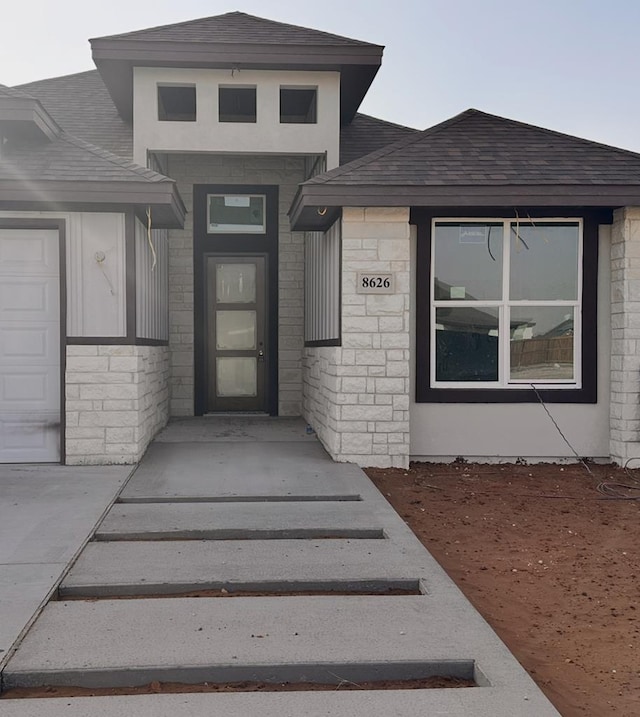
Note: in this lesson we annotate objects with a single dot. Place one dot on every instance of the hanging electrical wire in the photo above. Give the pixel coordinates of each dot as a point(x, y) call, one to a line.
point(610, 489)
point(150, 240)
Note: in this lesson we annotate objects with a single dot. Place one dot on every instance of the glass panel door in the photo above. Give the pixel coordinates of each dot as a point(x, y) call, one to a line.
point(236, 348)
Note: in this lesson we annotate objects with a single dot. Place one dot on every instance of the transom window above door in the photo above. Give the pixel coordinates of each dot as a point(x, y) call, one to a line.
point(236, 214)
point(506, 303)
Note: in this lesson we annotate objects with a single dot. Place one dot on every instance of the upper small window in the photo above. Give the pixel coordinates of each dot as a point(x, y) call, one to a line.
point(237, 104)
point(177, 103)
point(236, 214)
point(298, 105)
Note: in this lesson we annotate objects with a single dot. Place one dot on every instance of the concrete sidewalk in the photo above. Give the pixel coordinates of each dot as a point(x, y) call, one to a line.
point(46, 515)
point(255, 504)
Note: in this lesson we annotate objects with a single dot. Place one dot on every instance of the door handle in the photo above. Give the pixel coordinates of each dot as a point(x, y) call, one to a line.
point(261, 355)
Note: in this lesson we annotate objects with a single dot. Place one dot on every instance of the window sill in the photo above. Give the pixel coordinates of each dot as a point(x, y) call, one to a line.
point(506, 395)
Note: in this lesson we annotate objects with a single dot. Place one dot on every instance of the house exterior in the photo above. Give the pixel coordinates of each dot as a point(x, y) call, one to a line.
point(206, 224)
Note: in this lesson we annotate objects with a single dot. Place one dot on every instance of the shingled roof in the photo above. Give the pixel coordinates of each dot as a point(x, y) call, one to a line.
point(14, 92)
point(478, 159)
point(22, 117)
point(367, 134)
point(236, 40)
point(237, 28)
point(68, 172)
point(81, 105)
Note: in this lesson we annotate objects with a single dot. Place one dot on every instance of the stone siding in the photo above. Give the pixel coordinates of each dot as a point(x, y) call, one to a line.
point(357, 395)
point(625, 336)
point(287, 173)
point(117, 399)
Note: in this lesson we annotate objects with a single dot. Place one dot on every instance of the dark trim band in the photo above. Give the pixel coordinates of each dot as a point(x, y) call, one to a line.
point(321, 343)
point(114, 341)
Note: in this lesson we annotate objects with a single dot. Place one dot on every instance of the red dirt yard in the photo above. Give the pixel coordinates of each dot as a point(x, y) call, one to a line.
point(548, 560)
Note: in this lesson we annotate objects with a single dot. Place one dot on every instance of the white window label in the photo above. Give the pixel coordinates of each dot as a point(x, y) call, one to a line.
point(375, 283)
point(237, 201)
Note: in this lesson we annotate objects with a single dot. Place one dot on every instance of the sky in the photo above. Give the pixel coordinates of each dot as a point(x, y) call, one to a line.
point(569, 65)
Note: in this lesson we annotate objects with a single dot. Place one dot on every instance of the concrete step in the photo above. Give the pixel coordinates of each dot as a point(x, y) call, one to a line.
point(139, 568)
point(241, 471)
point(238, 521)
point(483, 702)
point(113, 643)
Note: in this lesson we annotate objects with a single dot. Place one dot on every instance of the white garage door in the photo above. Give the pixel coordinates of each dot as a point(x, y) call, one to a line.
point(29, 346)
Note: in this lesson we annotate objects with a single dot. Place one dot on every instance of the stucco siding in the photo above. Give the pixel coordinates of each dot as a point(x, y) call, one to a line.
point(207, 134)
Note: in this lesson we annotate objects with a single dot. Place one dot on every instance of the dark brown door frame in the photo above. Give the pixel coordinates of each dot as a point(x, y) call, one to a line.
point(204, 245)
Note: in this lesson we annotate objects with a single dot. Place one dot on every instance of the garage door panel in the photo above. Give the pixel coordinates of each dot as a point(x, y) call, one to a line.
point(29, 389)
point(28, 299)
point(31, 439)
point(32, 344)
point(29, 346)
point(28, 252)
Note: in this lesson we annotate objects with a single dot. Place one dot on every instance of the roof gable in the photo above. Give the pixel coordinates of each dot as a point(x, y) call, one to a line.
point(237, 28)
point(475, 160)
point(236, 40)
point(479, 148)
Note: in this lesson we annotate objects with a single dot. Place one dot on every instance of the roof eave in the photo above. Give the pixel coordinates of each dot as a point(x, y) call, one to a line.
point(167, 208)
point(315, 206)
point(115, 60)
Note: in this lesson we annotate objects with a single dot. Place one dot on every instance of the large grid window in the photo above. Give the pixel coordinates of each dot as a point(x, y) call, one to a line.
point(506, 303)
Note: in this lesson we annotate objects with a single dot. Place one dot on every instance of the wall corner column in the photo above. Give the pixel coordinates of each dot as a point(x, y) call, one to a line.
point(372, 371)
point(625, 336)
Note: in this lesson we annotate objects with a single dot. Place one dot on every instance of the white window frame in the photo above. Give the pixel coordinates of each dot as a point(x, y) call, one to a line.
point(504, 305)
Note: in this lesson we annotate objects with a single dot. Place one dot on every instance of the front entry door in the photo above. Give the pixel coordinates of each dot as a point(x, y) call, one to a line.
point(236, 336)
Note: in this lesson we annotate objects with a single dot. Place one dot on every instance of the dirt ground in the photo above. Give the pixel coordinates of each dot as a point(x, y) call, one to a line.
point(426, 683)
point(548, 560)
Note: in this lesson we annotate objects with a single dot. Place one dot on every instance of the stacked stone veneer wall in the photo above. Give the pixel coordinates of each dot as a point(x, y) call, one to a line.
point(356, 396)
point(287, 173)
point(117, 399)
point(625, 336)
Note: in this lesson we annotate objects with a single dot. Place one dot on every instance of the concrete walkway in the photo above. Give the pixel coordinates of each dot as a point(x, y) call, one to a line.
point(47, 513)
point(255, 504)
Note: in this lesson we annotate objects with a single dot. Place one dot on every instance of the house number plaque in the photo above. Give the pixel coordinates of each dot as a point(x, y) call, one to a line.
point(375, 283)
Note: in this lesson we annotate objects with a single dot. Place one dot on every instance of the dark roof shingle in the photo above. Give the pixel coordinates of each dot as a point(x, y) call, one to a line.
point(475, 148)
point(14, 92)
point(69, 158)
point(366, 134)
point(82, 106)
point(236, 28)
